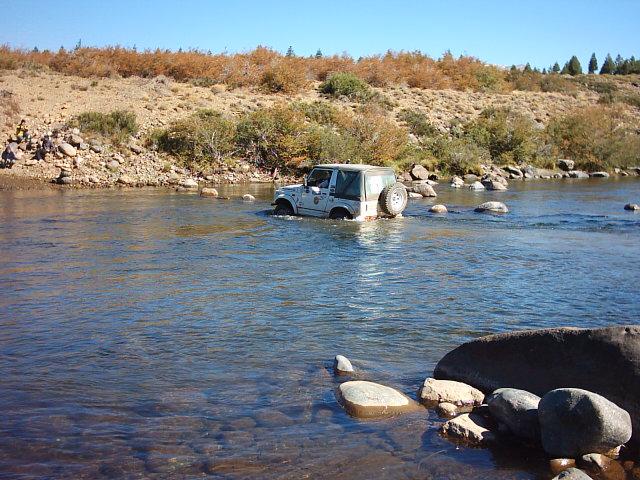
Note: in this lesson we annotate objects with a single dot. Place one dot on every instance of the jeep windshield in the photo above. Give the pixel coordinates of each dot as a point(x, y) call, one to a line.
point(375, 182)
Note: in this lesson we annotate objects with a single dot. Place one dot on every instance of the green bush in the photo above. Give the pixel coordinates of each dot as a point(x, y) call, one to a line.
point(418, 123)
point(277, 136)
point(118, 125)
point(322, 113)
point(509, 137)
point(202, 138)
point(459, 156)
point(596, 138)
point(346, 84)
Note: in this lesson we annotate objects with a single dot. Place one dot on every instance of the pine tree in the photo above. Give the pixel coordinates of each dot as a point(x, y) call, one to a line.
point(36, 50)
point(619, 62)
point(527, 68)
point(78, 45)
point(565, 69)
point(593, 63)
point(608, 67)
point(319, 54)
point(290, 52)
point(555, 68)
point(544, 71)
point(574, 66)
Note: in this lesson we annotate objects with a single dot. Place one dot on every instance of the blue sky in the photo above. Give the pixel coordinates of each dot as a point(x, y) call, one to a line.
point(502, 32)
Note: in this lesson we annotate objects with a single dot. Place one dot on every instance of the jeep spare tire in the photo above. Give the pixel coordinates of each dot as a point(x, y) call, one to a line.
point(393, 199)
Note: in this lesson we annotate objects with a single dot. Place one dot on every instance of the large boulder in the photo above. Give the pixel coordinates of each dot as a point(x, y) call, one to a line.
point(438, 391)
point(578, 174)
point(369, 400)
point(517, 410)
point(67, 149)
point(418, 172)
point(575, 422)
point(425, 190)
point(566, 165)
point(601, 360)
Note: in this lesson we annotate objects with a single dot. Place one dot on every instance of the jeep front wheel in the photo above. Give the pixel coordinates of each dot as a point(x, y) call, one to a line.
point(283, 209)
point(393, 199)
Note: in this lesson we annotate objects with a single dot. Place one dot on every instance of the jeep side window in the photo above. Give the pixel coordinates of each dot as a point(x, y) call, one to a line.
point(319, 178)
point(348, 185)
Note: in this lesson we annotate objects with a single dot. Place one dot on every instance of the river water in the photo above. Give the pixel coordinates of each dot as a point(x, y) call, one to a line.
point(155, 334)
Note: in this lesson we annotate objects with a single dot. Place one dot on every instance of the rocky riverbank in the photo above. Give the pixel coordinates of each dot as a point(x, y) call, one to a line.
point(569, 392)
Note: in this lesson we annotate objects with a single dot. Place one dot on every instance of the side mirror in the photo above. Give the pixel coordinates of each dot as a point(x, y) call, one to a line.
point(304, 181)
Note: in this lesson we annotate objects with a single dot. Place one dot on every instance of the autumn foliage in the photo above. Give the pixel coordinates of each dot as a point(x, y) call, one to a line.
point(264, 67)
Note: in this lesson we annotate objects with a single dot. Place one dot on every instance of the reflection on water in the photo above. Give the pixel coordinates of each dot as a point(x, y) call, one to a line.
point(149, 334)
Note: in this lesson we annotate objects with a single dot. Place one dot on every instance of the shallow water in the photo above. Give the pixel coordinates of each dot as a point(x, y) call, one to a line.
point(153, 334)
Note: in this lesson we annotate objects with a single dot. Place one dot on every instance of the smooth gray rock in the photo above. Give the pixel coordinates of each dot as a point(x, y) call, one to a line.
point(566, 165)
point(515, 171)
point(476, 186)
point(470, 178)
point(578, 174)
point(438, 209)
point(368, 400)
point(425, 190)
point(599, 175)
point(495, 207)
point(419, 172)
point(67, 149)
point(574, 422)
point(602, 360)
point(518, 410)
point(342, 365)
point(572, 474)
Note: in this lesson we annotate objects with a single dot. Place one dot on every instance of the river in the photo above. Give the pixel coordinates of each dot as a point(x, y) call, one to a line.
point(156, 334)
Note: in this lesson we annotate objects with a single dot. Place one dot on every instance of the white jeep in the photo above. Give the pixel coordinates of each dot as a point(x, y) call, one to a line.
point(340, 191)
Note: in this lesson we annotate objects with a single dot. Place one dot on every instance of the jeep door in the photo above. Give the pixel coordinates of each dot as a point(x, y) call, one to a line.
point(315, 194)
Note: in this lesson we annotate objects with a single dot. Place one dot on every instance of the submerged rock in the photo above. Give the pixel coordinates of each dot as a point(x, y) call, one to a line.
point(247, 197)
point(458, 393)
point(599, 175)
point(572, 474)
point(517, 410)
point(542, 360)
point(457, 182)
point(476, 186)
point(602, 466)
point(447, 409)
point(495, 207)
point(342, 365)
point(209, 192)
point(369, 400)
point(632, 206)
point(469, 427)
point(438, 209)
point(574, 422)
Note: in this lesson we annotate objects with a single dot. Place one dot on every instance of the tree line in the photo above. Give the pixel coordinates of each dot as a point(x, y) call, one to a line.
point(619, 66)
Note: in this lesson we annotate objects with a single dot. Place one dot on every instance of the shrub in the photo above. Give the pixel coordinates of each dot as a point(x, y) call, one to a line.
point(9, 109)
point(346, 84)
point(418, 123)
point(118, 125)
point(323, 113)
point(287, 75)
point(276, 136)
point(459, 156)
point(596, 138)
point(509, 137)
point(203, 138)
point(557, 83)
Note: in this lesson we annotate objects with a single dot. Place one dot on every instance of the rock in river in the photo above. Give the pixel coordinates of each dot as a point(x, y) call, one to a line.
point(189, 183)
point(476, 186)
point(496, 207)
point(575, 422)
point(368, 400)
point(209, 192)
point(247, 197)
point(342, 365)
point(601, 360)
point(599, 175)
point(469, 427)
point(632, 206)
point(572, 474)
point(425, 190)
point(566, 165)
point(438, 209)
point(419, 172)
point(518, 410)
point(578, 174)
point(458, 393)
